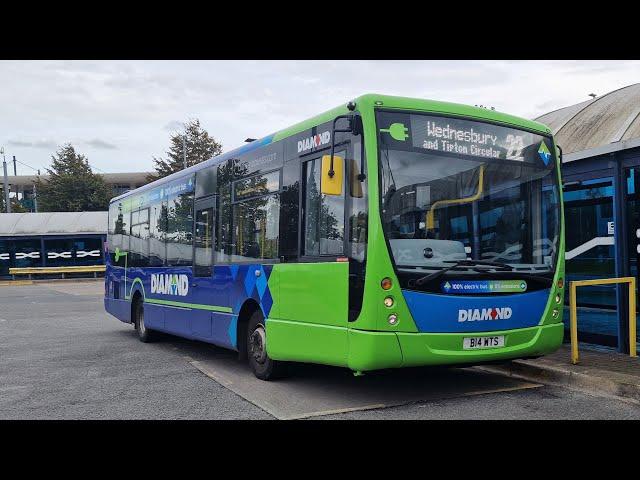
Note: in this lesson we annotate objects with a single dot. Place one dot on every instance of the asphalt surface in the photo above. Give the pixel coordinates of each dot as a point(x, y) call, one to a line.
point(63, 357)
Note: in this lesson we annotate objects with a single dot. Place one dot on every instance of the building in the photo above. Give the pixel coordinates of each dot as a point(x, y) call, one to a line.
point(600, 139)
point(51, 239)
point(22, 185)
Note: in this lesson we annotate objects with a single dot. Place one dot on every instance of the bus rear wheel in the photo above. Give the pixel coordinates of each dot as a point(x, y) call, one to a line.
point(144, 334)
point(264, 367)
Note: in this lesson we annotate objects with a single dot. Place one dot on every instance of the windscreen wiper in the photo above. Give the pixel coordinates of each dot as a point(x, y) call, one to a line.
point(500, 268)
point(505, 267)
point(480, 262)
point(460, 263)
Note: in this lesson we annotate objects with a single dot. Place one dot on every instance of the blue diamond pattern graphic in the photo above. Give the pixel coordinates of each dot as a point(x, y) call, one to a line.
point(267, 270)
point(267, 302)
point(261, 283)
point(245, 284)
point(233, 332)
point(249, 282)
point(234, 271)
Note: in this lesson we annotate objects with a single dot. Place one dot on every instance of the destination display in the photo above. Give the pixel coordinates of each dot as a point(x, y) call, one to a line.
point(466, 137)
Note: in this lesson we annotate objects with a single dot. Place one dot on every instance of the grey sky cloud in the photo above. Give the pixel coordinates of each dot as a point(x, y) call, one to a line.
point(46, 144)
point(101, 144)
point(173, 125)
point(137, 104)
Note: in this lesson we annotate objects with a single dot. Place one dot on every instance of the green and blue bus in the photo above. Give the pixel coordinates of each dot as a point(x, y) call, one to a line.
point(388, 232)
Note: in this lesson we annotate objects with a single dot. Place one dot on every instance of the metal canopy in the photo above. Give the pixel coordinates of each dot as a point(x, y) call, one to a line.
point(52, 223)
point(599, 125)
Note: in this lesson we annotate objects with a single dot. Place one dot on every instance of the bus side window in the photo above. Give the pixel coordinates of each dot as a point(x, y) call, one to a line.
point(223, 245)
point(157, 231)
point(119, 239)
point(139, 240)
point(203, 239)
point(255, 228)
point(180, 230)
point(289, 210)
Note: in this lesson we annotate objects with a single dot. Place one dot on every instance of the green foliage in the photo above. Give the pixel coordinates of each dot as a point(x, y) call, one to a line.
point(200, 147)
point(72, 186)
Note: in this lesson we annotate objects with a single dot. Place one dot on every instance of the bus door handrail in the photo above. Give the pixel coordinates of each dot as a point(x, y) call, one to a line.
point(573, 308)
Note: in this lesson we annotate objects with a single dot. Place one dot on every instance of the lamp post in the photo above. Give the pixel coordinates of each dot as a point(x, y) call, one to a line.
point(5, 182)
point(184, 151)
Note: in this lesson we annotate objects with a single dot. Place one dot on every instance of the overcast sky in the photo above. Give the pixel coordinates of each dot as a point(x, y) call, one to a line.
point(121, 113)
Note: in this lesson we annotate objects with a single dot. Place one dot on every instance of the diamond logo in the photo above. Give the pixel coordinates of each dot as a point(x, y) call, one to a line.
point(544, 153)
point(447, 287)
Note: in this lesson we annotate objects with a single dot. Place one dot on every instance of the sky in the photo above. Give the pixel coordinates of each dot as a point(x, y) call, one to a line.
point(120, 114)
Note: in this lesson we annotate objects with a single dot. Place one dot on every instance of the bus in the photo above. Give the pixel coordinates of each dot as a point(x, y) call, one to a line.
point(387, 232)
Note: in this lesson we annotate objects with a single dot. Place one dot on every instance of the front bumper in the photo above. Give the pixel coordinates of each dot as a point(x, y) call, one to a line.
point(376, 350)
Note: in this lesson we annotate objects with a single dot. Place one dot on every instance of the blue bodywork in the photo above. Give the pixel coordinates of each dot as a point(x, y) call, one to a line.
point(441, 313)
point(208, 311)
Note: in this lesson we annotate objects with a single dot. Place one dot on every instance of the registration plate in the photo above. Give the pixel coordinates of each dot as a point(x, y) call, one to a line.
point(470, 343)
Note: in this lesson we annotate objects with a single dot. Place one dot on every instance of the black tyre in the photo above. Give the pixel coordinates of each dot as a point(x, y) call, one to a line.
point(263, 367)
point(144, 334)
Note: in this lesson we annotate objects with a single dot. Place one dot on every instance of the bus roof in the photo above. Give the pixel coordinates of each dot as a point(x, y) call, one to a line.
point(368, 100)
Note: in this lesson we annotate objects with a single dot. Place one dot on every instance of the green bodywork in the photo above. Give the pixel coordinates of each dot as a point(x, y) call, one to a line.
point(308, 322)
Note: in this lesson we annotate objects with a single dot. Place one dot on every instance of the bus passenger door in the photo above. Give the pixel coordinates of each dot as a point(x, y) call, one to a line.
point(201, 288)
point(314, 292)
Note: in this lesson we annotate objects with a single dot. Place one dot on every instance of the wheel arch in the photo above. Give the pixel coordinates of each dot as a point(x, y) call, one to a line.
point(249, 307)
point(136, 297)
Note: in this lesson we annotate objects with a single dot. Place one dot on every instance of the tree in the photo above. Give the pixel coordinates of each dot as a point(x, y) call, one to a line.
point(200, 147)
point(72, 186)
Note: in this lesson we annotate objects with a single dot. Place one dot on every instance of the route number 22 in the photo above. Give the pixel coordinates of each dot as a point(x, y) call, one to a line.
point(515, 145)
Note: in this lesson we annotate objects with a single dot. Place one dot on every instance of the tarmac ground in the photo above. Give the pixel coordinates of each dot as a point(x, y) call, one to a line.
point(64, 357)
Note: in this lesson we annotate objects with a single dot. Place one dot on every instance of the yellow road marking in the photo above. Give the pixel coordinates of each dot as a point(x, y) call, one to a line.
point(15, 283)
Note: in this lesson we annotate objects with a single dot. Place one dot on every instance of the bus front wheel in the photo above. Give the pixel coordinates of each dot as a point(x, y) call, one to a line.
point(263, 367)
